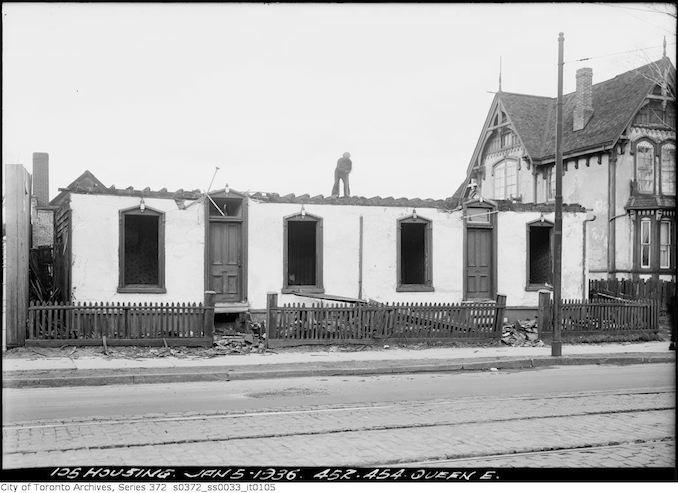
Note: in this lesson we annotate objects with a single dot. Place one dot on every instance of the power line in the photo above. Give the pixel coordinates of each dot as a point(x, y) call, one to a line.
point(632, 8)
point(617, 53)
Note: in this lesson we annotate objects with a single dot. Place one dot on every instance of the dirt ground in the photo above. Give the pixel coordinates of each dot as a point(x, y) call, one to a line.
point(236, 349)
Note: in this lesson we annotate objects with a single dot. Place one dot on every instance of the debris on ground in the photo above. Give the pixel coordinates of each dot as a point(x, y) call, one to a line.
point(522, 333)
point(240, 343)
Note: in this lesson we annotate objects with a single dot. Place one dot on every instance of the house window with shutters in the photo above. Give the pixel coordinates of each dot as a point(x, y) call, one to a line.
point(303, 254)
point(414, 254)
point(142, 251)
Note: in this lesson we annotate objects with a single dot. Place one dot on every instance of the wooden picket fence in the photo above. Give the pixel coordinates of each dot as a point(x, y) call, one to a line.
point(586, 317)
point(338, 323)
point(651, 289)
point(154, 324)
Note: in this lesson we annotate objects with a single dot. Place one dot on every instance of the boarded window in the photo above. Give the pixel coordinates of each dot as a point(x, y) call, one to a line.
point(540, 255)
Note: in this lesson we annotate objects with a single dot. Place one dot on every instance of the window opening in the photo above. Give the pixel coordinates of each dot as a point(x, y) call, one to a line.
point(301, 253)
point(231, 207)
point(413, 253)
point(540, 255)
point(141, 250)
point(645, 243)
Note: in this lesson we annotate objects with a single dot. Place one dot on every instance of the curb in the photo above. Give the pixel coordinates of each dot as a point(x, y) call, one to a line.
point(203, 374)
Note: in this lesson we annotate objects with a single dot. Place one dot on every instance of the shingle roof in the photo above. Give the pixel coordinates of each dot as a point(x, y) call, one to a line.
point(650, 202)
point(615, 102)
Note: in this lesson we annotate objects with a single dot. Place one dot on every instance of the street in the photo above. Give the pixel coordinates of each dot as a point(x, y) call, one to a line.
point(584, 416)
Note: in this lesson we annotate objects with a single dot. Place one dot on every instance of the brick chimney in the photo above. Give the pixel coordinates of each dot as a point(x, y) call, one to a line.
point(41, 178)
point(583, 106)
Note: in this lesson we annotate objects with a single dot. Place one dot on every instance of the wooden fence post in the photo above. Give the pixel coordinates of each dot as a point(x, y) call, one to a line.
point(271, 305)
point(499, 310)
point(544, 299)
point(208, 324)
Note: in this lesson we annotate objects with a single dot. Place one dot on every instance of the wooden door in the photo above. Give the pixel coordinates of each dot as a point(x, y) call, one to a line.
point(226, 261)
point(479, 282)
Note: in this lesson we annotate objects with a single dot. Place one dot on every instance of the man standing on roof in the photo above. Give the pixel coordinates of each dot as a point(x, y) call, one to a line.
point(341, 172)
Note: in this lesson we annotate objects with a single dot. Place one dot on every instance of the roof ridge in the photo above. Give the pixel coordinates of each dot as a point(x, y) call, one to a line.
point(523, 94)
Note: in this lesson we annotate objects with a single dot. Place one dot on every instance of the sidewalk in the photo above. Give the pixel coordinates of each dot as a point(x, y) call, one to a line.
point(65, 371)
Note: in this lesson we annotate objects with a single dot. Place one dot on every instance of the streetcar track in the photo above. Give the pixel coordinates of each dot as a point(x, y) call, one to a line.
point(523, 453)
point(197, 416)
point(340, 430)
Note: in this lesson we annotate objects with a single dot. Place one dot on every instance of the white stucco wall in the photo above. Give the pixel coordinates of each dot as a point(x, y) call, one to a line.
point(95, 249)
point(512, 256)
point(341, 253)
point(341, 233)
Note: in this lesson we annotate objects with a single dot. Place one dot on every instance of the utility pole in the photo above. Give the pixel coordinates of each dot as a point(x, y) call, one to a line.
point(557, 344)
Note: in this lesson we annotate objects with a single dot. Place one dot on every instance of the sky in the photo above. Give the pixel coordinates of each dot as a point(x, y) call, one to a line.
point(160, 95)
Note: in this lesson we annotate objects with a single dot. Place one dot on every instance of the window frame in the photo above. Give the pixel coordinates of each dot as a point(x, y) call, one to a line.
point(655, 219)
point(660, 148)
point(495, 167)
point(428, 255)
point(653, 146)
point(641, 244)
point(318, 287)
point(668, 245)
point(141, 288)
point(538, 223)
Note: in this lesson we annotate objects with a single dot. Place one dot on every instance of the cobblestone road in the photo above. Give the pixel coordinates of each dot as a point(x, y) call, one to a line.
point(595, 429)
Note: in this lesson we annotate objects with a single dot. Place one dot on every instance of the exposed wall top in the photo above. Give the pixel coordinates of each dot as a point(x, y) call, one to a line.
point(87, 183)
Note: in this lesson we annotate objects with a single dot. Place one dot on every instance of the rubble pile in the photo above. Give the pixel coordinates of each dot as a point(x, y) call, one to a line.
point(236, 344)
point(521, 333)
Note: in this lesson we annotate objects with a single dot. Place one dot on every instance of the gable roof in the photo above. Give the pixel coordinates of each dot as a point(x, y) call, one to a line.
point(615, 102)
point(85, 180)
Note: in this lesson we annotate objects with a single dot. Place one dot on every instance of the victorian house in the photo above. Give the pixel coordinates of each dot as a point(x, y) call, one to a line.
point(618, 162)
